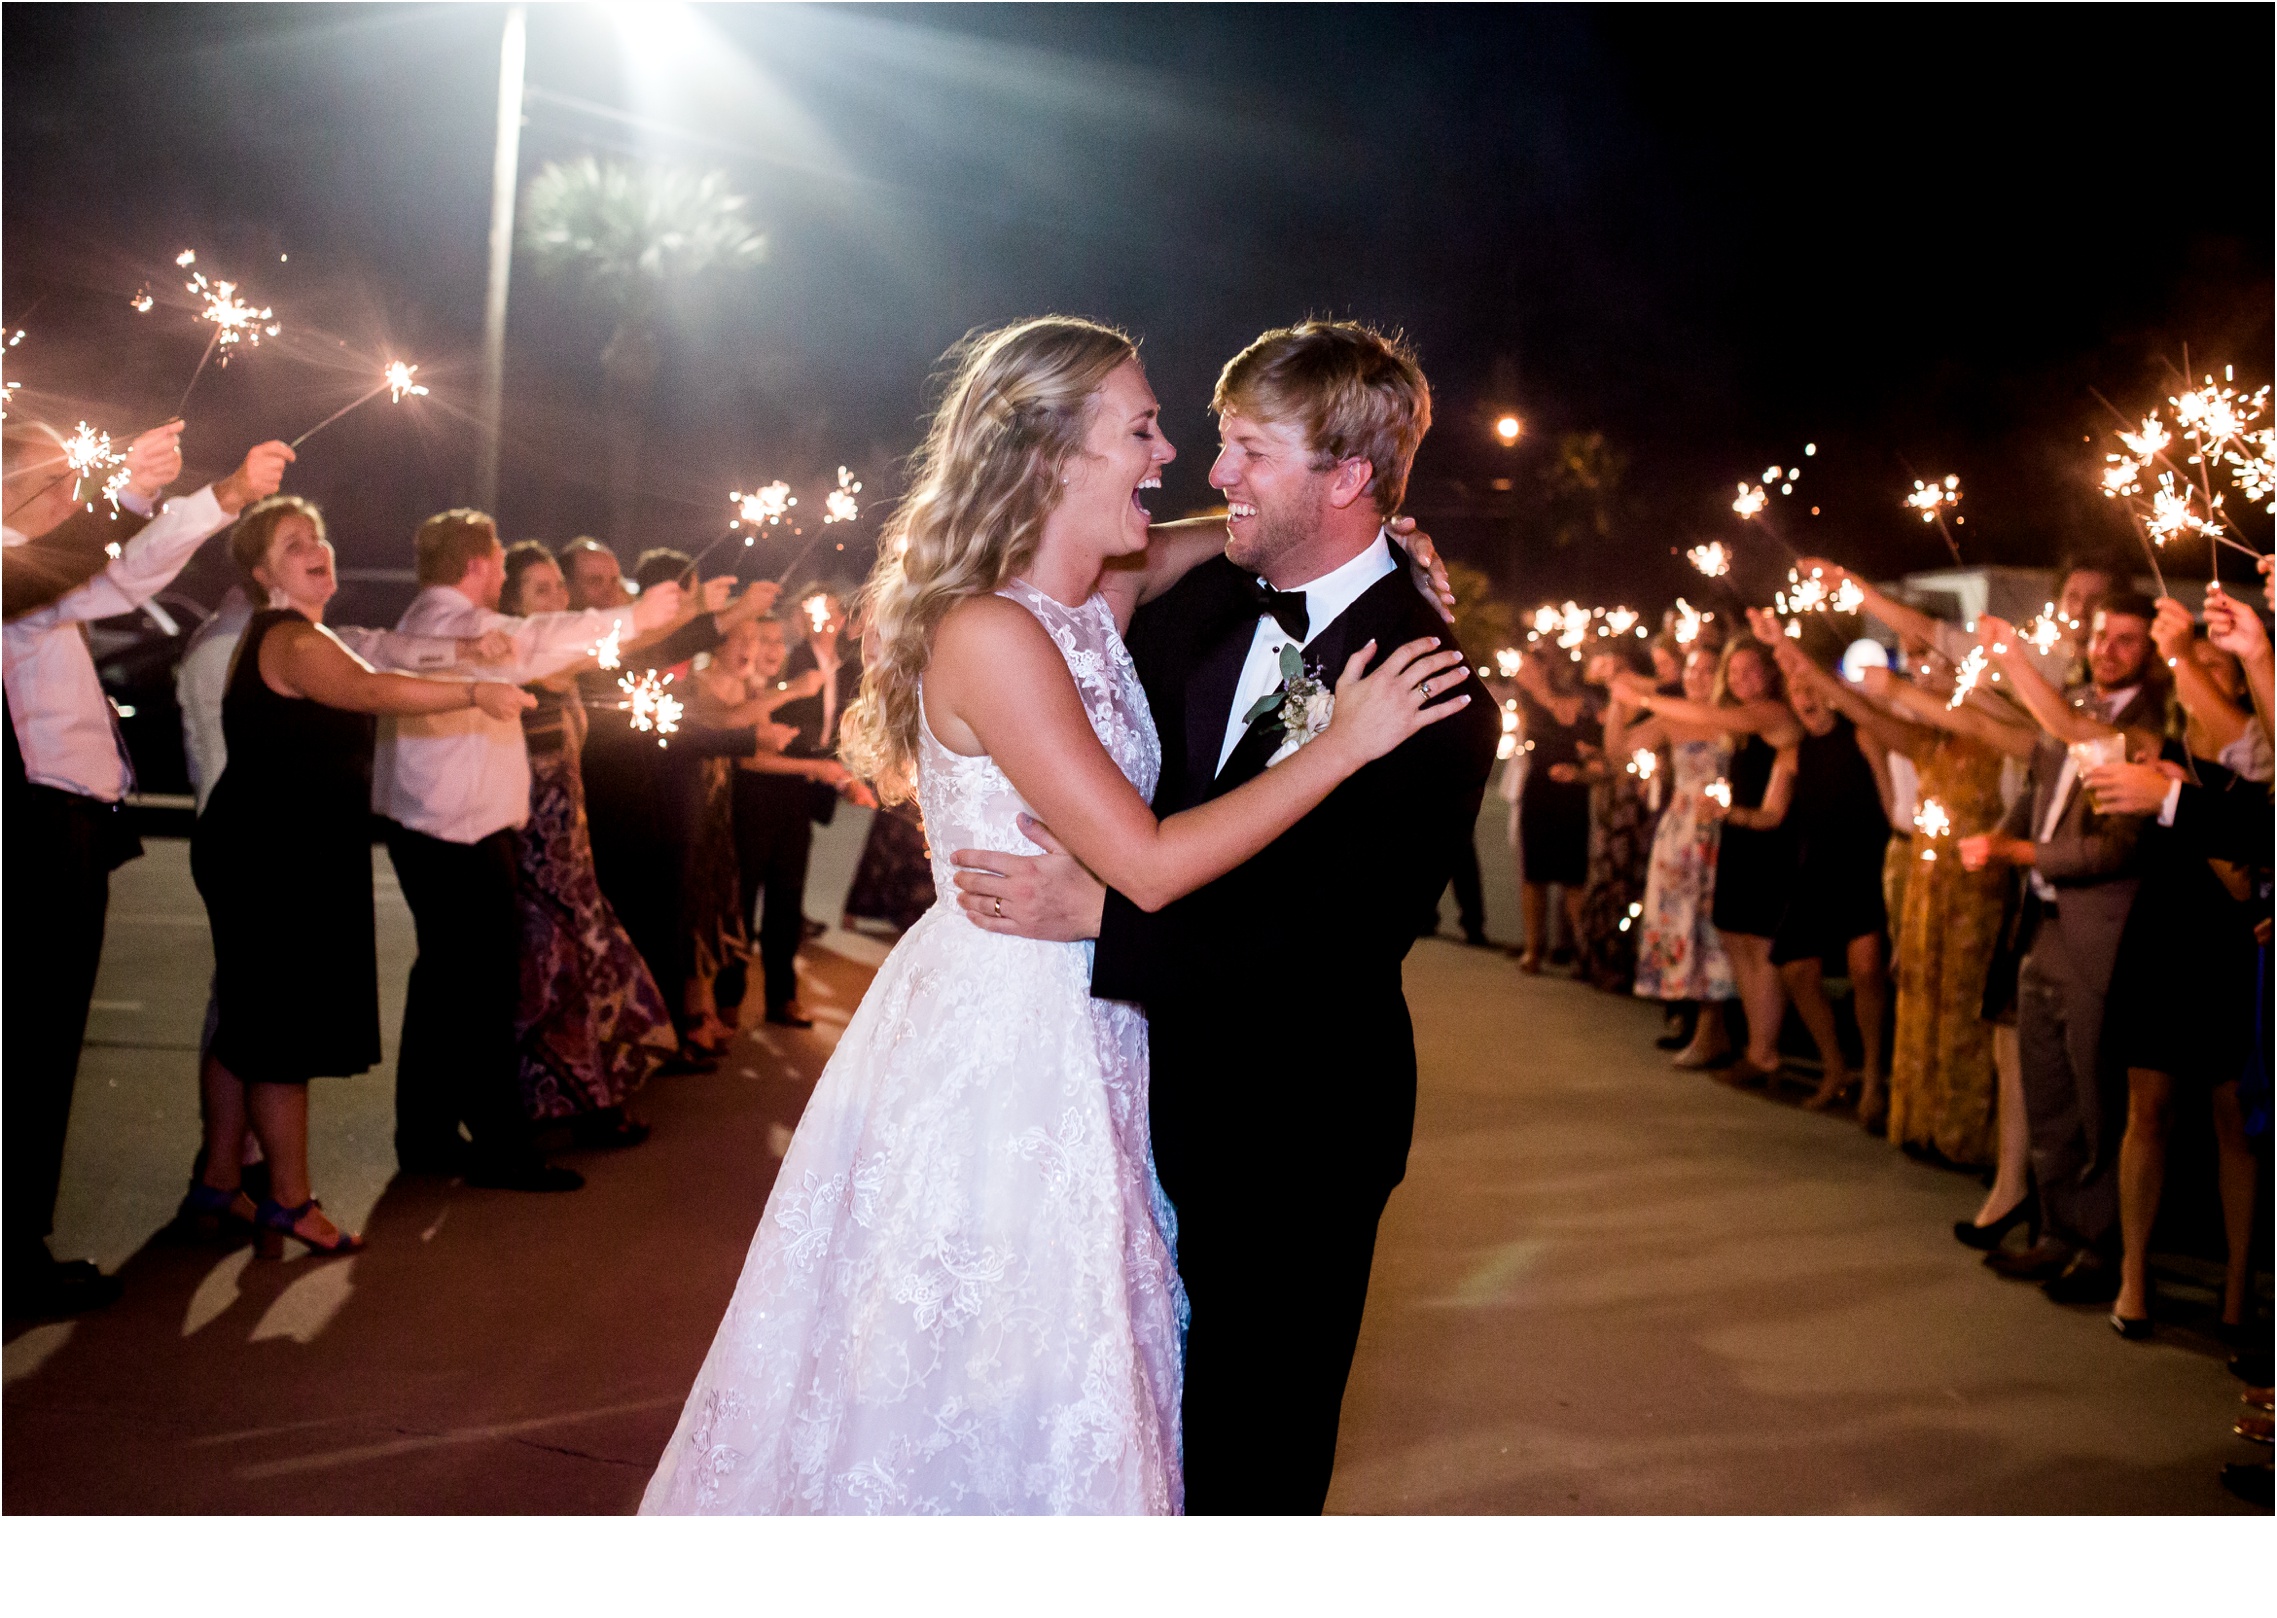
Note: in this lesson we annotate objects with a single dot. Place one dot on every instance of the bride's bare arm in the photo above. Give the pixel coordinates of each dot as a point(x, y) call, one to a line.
point(1175, 549)
point(997, 685)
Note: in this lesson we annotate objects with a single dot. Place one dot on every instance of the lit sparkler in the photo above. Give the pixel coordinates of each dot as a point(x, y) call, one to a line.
point(1752, 499)
point(1643, 762)
point(234, 320)
point(1620, 620)
point(1508, 745)
point(1932, 822)
point(606, 651)
point(1718, 792)
point(1932, 499)
point(817, 610)
point(652, 707)
point(92, 460)
point(762, 507)
point(142, 302)
point(1712, 559)
point(2150, 442)
point(1688, 621)
point(395, 381)
point(1507, 660)
point(7, 388)
point(1965, 677)
point(839, 504)
point(2044, 632)
point(2255, 474)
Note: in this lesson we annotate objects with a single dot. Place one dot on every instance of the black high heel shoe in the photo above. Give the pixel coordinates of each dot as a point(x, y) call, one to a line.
point(1984, 1238)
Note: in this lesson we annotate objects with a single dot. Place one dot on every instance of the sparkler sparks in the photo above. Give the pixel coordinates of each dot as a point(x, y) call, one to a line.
point(1643, 762)
point(1965, 678)
point(817, 610)
point(1812, 595)
point(1751, 501)
point(399, 381)
point(2044, 632)
point(1718, 792)
point(1932, 499)
point(1507, 660)
point(2255, 474)
point(2172, 513)
point(185, 258)
point(839, 504)
point(92, 460)
point(606, 652)
point(1688, 621)
point(1620, 620)
point(763, 507)
point(652, 707)
point(234, 320)
point(1712, 559)
point(2147, 444)
point(1932, 822)
point(142, 301)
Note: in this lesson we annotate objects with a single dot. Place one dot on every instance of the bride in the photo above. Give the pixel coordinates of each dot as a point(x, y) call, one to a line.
point(962, 1296)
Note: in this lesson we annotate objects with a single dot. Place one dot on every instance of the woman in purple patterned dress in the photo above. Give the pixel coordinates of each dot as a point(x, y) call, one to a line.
point(590, 1024)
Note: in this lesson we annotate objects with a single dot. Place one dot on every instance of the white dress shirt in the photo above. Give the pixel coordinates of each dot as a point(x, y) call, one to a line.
point(64, 723)
point(462, 775)
point(2067, 778)
point(1325, 600)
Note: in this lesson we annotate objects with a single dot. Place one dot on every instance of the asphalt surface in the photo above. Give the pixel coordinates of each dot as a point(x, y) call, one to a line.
point(1605, 1287)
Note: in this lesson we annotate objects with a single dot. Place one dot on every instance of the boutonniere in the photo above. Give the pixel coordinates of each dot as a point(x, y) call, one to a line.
point(1298, 709)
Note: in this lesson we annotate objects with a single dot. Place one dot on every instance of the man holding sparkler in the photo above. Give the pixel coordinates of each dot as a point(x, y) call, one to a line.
point(67, 776)
point(2081, 866)
point(453, 790)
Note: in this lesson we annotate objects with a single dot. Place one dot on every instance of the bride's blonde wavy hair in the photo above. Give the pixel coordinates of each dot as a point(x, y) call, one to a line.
point(1015, 412)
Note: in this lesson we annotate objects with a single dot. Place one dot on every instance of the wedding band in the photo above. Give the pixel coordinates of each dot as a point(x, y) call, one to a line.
point(999, 909)
point(1426, 687)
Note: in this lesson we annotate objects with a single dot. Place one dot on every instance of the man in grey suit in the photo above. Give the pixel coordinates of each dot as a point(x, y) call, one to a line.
point(2081, 870)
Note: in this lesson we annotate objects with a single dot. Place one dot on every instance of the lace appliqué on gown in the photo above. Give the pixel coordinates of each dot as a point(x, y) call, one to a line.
point(962, 1296)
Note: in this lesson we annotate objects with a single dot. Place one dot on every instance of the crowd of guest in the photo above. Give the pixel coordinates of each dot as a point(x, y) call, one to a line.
point(587, 886)
point(2045, 882)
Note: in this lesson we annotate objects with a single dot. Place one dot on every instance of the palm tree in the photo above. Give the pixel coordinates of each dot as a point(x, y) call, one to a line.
point(630, 235)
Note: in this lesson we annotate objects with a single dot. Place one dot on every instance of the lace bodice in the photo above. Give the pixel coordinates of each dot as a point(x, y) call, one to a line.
point(970, 803)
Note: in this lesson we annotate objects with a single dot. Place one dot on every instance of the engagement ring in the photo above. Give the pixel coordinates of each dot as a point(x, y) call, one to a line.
point(1000, 910)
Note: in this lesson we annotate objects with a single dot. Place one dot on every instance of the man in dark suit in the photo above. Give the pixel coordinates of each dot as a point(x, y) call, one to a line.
point(1282, 1056)
point(2080, 866)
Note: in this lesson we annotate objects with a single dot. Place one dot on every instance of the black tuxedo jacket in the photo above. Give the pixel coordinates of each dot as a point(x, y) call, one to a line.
point(806, 713)
point(1287, 969)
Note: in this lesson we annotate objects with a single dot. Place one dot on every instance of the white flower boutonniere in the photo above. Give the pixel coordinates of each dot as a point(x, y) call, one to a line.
point(1298, 709)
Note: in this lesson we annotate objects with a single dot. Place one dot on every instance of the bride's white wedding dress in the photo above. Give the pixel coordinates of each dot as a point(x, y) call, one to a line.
point(962, 1296)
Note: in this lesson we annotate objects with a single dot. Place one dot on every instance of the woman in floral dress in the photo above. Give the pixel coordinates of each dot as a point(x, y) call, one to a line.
point(1678, 954)
point(589, 1024)
point(1624, 813)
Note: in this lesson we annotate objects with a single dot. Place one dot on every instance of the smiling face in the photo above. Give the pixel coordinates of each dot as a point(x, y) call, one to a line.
point(1700, 676)
point(770, 649)
point(1123, 455)
point(1276, 499)
point(2119, 650)
point(539, 587)
point(596, 580)
point(298, 566)
point(1748, 675)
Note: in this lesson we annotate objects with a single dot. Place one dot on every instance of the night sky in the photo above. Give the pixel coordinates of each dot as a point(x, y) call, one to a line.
point(1917, 238)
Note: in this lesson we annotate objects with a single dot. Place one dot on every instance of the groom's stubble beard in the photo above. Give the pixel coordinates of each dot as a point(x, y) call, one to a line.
point(1281, 531)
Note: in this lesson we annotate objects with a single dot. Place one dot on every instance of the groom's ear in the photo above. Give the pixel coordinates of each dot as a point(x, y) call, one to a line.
point(1350, 482)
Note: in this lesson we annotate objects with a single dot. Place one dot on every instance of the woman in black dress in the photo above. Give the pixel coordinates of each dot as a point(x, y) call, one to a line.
point(1558, 723)
point(1755, 861)
point(2180, 1013)
point(282, 857)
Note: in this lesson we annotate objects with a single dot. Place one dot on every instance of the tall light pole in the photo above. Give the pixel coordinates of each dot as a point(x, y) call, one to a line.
point(505, 168)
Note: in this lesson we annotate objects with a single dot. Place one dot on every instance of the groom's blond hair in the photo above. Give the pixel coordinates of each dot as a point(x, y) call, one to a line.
point(1356, 392)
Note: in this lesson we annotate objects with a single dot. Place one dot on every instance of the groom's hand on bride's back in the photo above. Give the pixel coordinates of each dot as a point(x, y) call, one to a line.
point(1048, 896)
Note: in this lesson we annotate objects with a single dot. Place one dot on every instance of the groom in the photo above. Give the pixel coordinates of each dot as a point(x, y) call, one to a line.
point(1282, 1056)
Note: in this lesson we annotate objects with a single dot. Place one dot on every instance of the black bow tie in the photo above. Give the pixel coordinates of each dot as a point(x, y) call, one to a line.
point(1284, 607)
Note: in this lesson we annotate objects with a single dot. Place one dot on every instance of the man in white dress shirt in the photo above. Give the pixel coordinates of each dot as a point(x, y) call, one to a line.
point(67, 777)
point(453, 790)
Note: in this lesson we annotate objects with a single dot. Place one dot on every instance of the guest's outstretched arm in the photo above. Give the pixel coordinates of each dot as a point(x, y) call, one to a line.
point(304, 660)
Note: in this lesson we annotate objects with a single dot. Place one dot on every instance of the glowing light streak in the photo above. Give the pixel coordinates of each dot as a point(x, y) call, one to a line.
point(1965, 677)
